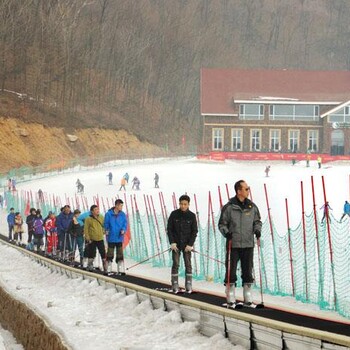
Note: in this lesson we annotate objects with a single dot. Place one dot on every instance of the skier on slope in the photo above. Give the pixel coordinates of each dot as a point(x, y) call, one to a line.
point(239, 222)
point(110, 178)
point(116, 225)
point(326, 208)
point(346, 210)
point(156, 180)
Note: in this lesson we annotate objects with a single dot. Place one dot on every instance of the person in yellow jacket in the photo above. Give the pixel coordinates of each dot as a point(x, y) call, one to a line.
point(94, 237)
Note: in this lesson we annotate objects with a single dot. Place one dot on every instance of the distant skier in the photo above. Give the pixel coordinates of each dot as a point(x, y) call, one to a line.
point(1, 201)
point(110, 178)
point(14, 182)
point(308, 157)
point(126, 177)
point(346, 210)
point(41, 195)
point(9, 185)
point(319, 162)
point(267, 170)
point(123, 182)
point(80, 186)
point(326, 207)
point(136, 183)
point(156, 180)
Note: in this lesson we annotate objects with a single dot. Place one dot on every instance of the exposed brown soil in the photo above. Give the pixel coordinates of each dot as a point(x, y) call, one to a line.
point(31, 144)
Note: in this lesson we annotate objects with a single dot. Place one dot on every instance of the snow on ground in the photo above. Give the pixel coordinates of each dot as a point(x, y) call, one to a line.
point(91, 317)
point(7, 341)
point(94, 318)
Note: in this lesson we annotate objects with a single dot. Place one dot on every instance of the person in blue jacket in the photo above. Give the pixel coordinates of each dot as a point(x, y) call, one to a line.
point(63, 221)
point(116, 225)
point(11, 222)
point(346, 210)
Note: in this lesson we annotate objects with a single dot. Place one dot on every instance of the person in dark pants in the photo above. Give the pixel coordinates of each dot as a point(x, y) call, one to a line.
point(156, 180)
point(30, 221)
point(63, 221)
point(11, 222)
point(94, 237)
point(76, 232)
point(116, 225)
point(182, 231)
point(239, 222)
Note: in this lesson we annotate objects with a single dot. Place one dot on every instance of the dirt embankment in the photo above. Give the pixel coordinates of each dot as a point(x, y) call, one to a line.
point(31, 144)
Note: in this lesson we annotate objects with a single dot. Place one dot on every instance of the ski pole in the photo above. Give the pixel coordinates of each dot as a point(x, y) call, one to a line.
point(228, 271)
point(260, 275)
point(207, 256)
point(151, 257)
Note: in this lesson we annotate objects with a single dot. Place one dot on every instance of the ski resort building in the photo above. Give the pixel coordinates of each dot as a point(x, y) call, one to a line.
point(276, 111)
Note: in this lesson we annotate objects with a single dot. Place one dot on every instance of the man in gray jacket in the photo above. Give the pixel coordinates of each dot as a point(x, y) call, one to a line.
point(239, 222)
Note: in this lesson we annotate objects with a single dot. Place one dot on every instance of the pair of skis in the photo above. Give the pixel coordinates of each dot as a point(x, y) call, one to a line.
point(179, 291)
point(241, 305)
point(114, 274)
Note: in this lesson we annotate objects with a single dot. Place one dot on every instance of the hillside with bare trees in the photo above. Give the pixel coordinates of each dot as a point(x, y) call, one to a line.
point(135, 64)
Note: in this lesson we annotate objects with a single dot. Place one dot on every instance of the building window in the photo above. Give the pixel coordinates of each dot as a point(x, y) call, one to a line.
point(294, 112)
point(255, 139)
point(340, 116)
point(236, 139)
point(251, 112)
point(218, 139)
point(312, 140)
point(275, 140)
point(293, 140)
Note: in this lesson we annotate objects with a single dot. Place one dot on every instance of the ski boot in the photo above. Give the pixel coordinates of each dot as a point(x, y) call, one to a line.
point(247, 293)
point(231, 294)
point(175, 283)
point(121, 268)
point(188, 283)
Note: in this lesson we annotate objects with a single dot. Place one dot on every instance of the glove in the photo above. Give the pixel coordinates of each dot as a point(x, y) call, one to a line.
point(174, 247)
point(257, 234)
point(188, 248)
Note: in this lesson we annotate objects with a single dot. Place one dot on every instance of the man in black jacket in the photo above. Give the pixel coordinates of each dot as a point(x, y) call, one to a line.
point(182, 232)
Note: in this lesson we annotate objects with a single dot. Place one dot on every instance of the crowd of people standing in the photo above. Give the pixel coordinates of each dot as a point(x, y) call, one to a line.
point(69, 233)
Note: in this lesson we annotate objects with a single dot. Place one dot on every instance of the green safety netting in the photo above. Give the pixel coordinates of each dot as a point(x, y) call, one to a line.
point(302, 262)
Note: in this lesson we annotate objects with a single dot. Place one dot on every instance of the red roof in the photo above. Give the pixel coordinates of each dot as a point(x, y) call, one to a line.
point(221, 87)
